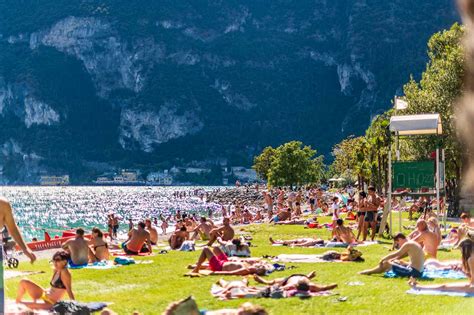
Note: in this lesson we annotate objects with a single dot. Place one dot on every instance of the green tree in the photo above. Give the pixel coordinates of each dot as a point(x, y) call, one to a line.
point(290, 164)
point(351, 159)
point(439, 88)
point(262, 162)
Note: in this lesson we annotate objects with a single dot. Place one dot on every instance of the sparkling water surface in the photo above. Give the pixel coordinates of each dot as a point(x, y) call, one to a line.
point(57, 208)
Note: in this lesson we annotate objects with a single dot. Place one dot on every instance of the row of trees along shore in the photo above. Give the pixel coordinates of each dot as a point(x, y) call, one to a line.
point(365, 158)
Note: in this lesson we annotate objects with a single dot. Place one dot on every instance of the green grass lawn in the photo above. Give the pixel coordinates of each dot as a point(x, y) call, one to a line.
point(149, 288)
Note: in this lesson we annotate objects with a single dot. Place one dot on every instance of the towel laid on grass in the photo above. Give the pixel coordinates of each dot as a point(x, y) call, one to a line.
point(340, 244)
point(301, 258)
point(439, 292)
point(263, 292)
point(337, 244)
point(101, 265)
point(433, 273)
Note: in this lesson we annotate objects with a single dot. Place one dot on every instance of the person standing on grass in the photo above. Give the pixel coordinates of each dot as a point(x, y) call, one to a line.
point(7, 219)
point(268, 203)
point(372, 205)
point(335, 211)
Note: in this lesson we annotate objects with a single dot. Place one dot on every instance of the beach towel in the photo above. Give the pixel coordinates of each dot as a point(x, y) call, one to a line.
point(439, 292)
point(120, 252)
point(101, 265)
point(264, 292)
point(302, 258)
point(340, 244)
point(433, 273)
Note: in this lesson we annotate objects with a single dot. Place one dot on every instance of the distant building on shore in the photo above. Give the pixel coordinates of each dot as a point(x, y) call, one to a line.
point(48, 180)
point(160, 178)
point(125, 177)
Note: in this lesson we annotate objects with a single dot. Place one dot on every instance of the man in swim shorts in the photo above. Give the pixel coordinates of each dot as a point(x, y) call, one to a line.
point(372, 204)
point(138, 240)
point(392, 261)
point(78, 248)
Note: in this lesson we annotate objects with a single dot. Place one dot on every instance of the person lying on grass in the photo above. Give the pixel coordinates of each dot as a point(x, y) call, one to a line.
point(467, 256)
point(299, 242)
point(61, 283)
point(342, 233)
point(297, 282)
point(294, 221)
point(220, 264)
point(226, 232)
point(392, 261)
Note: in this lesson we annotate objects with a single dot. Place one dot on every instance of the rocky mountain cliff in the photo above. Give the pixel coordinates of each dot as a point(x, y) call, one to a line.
point(86, 86)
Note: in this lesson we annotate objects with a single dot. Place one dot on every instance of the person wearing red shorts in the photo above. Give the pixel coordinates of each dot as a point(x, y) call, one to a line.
point(216, 258)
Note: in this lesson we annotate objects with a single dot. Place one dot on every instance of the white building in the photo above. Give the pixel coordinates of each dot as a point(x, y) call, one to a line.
point(160, 178)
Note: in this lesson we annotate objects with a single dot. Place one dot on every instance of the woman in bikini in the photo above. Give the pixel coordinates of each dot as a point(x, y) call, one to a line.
point(98, 247)
point(60, 285)
point(467, 252)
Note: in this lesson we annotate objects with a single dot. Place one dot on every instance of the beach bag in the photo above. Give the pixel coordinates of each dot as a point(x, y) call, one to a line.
point(188, 246)
point(124, 261)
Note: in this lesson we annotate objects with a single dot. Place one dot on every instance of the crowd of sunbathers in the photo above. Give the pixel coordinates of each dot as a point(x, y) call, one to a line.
point(224, 254)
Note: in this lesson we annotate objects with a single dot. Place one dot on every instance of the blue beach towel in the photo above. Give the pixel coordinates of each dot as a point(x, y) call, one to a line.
point(101, 265)
point(438, 292)
point(430, 273)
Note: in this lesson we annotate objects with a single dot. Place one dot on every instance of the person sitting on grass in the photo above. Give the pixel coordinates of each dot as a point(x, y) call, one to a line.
point(78, 249)
point(467, 256)
point(98, 247)
point(178, 237)
point(61, 283)
point(220, 264)
point(299, 242)
point(342, 233)
point(400, 268)
point(426, 238)
point(138, 241)
point(296, 282)
point(283, 215)
point(203, 229)
point(152, 230)
point(226, 232)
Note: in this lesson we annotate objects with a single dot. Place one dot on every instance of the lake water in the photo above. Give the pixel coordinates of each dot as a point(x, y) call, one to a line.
point(59, 208)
